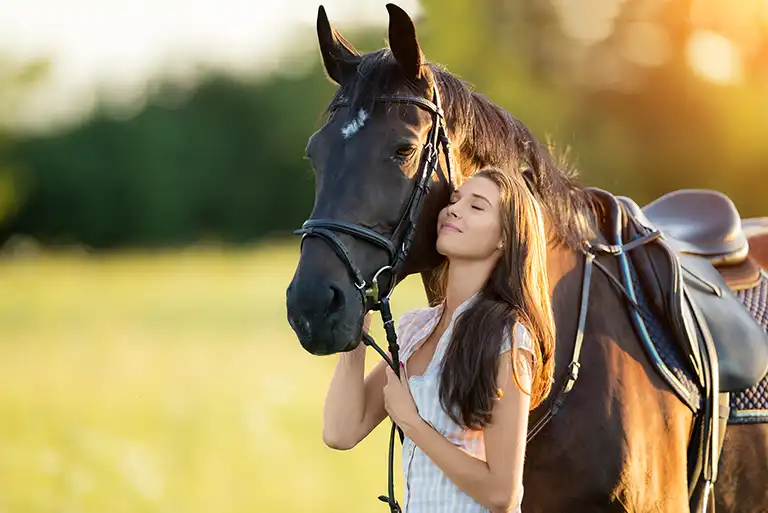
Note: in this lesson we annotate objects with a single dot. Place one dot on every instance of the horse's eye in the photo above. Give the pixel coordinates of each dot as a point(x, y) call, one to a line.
point(405, 151)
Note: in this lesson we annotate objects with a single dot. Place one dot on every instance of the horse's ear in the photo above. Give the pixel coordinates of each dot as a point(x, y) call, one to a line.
point(403, 42)
point(339, 56)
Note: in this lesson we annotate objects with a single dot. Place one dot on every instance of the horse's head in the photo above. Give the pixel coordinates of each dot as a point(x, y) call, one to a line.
point(371, 159)
point(368, 160)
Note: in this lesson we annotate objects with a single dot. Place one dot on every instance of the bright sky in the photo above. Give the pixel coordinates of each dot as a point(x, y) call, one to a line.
point(118, 44)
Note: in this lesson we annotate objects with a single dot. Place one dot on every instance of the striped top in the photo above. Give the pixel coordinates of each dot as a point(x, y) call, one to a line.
point(427, 488)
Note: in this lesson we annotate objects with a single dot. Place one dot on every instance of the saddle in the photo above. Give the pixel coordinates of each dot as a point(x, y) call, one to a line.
point(724, 347)
point(700, 222)
point(706, 224)
point(691, 264)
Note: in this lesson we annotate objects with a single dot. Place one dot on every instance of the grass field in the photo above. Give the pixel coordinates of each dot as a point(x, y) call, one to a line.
point(170, 382)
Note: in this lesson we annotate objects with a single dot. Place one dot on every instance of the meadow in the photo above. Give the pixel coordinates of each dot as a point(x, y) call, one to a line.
point(170, 382)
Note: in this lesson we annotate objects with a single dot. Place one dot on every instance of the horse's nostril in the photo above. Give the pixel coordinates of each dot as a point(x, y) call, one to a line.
point(301, 326)
point(337, 299)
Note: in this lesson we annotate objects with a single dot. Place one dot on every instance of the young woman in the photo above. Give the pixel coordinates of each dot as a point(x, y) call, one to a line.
point(473, 366)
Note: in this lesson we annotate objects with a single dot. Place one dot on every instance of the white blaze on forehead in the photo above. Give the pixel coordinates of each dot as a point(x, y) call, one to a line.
point(355, 125)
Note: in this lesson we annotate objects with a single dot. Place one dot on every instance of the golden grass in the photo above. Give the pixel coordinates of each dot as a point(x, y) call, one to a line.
point(170, 382)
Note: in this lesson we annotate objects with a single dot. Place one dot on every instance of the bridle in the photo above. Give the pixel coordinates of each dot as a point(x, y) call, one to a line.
point(372, 295)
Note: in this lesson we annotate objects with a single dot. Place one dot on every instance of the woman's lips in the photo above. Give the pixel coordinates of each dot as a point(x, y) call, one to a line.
point(450, 228)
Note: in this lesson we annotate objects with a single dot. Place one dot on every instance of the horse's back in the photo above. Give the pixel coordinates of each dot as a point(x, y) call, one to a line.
point(757, 235)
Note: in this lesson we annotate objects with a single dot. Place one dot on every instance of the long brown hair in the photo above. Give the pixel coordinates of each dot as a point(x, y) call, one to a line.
point(516, 291)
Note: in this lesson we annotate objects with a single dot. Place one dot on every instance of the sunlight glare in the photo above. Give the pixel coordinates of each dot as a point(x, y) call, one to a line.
point(714, 57)
point(590, 21)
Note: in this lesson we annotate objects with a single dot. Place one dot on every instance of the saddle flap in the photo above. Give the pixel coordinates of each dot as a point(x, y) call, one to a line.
point(740, 342)
point(658, 274)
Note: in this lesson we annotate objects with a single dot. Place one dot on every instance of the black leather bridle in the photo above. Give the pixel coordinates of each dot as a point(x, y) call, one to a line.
point(397, 248)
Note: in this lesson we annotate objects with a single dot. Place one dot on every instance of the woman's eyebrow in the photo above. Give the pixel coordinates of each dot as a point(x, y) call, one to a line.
point(482, 198)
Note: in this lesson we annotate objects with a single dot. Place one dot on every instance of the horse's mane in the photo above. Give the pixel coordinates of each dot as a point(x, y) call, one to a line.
point(489, 136)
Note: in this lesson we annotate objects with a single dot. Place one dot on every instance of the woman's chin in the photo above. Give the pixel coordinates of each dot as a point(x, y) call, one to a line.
point(445, 248)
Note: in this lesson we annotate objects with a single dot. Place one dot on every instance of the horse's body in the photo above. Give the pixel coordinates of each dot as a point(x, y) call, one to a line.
point(620, 442)
point(741, 486)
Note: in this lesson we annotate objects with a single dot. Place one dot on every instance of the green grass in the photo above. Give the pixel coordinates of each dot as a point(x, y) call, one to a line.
point(170, 382)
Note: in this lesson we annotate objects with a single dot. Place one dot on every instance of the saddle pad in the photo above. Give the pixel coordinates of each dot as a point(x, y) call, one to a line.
point(750, 406)
point(665, 354)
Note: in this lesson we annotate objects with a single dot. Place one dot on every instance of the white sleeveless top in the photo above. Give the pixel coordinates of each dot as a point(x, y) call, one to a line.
point(427, 488)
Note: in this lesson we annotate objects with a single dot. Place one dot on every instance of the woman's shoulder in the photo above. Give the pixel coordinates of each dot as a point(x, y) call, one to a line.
point(521, 337)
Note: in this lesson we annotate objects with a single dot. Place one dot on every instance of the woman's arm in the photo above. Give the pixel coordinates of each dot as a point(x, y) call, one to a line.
point(353, 406)
point(494, 483)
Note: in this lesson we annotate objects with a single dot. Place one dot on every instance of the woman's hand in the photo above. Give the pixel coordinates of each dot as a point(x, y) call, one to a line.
point(398, 401)
point(360, 349)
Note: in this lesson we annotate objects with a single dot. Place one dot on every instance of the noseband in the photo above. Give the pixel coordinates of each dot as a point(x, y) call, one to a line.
point(372, 296)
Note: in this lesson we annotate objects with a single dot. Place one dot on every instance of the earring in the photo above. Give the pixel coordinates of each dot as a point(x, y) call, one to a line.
point(501, 245)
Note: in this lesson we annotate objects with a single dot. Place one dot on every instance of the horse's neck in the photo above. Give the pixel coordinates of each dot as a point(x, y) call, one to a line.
point(561, 262)
point(565, 274)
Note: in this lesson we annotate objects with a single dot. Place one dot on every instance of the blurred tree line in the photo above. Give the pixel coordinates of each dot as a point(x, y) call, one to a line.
point(225, 161)
point(225, 164)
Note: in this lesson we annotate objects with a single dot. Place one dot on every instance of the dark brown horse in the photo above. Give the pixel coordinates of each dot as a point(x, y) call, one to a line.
point(620, 442)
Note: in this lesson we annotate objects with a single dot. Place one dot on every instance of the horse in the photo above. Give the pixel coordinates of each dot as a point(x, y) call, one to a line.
point(621, 441)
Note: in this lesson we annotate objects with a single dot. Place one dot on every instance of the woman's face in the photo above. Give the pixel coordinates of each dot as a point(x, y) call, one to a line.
point(469, 227)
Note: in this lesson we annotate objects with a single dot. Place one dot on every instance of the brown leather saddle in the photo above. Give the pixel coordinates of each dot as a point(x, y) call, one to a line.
point(707, 224)
point(724, 347)
point(704, 231)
